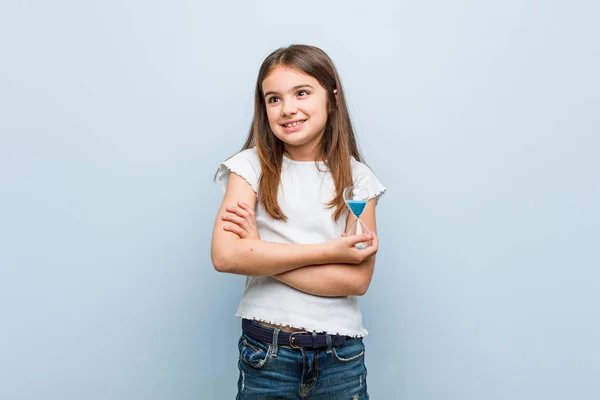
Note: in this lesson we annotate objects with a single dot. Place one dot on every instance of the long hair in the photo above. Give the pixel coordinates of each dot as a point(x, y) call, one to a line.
point(338, 142)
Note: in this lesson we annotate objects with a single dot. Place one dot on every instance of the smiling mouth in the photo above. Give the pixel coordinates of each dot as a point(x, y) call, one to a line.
point(291, 125)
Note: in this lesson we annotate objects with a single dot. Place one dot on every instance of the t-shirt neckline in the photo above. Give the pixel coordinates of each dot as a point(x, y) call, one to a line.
point(289, 160)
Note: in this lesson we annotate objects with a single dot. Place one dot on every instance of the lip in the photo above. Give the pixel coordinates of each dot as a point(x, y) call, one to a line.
point(292, 129)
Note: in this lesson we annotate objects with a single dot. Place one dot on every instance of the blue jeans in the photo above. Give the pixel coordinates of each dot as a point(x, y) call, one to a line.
point(277, 371)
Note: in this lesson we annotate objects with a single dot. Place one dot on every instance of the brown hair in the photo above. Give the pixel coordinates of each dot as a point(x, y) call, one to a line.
point(338, 142)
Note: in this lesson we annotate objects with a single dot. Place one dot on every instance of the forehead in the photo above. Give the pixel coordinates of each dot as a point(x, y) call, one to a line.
point(283, 78)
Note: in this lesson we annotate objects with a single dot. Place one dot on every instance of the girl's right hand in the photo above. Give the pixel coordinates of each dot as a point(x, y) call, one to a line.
point(342, 250)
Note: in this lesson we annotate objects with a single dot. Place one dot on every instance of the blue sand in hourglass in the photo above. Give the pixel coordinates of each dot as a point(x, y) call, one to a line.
point(357, 206)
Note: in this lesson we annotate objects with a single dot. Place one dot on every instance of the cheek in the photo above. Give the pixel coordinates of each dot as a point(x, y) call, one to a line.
point(272, 115)
point(318, 113)
point(317, 108)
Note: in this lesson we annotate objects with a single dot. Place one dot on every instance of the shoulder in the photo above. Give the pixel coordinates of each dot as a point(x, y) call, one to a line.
point(248, 155)
point(360, 169)
point(245, 164)
point(358, 166)
point(245, 159)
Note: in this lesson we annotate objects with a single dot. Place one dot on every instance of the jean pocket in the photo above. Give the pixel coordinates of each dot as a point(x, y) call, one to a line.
point(353, 350)
point(252, 352)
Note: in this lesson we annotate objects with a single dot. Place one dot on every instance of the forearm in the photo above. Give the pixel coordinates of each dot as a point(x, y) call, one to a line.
point(255, 257)
point(331, 280)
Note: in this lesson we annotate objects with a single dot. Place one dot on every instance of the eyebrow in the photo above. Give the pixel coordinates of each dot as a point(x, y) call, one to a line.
point(291, 90)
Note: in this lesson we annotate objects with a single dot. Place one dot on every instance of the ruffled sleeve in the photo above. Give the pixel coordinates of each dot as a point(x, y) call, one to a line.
point(363, 176)
point(245, 164)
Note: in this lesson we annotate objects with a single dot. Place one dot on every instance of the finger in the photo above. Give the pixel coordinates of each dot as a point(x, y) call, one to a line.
point(246, 207)
point(248, 213)
point(235, 219)
point(354, 239)
point(369, 252)
point(344, 235)
point(372, 249)
point(243, 215)
point(235, 229)
point(375, 240)
point(236, 210)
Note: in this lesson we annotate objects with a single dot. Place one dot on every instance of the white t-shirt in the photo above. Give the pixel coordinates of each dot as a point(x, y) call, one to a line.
point(303, 195)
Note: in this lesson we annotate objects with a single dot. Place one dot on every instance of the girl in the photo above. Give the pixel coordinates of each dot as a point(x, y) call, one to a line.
point(282, 224)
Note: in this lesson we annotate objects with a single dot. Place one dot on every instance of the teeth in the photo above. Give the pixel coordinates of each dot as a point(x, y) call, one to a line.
point(294, 124)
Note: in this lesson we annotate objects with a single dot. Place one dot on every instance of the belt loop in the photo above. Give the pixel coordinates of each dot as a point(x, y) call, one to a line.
point(274, 346)
point(328, 338)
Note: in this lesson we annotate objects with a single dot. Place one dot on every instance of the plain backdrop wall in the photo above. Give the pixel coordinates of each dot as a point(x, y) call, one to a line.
point(481, 118)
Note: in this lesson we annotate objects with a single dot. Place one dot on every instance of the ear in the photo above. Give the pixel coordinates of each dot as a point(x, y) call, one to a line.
point(330, 106)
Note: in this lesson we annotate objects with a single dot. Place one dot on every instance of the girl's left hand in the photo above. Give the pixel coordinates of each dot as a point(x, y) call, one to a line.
point(243, 221)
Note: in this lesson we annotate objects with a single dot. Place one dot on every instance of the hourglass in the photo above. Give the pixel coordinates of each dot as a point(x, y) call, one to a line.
point(356, 199)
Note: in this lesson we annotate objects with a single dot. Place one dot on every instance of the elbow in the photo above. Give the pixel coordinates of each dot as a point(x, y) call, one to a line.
point(362, 284)
point(363, 277)
point(221, 262)
point(361, 288)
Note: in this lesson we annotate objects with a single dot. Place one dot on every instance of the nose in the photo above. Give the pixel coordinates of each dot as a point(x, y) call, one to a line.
point(289, 108)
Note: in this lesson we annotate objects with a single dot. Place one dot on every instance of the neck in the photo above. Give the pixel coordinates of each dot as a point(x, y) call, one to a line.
point(302, 154)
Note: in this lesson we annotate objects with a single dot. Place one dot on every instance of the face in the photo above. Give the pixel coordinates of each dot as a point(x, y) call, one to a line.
point(296, 106)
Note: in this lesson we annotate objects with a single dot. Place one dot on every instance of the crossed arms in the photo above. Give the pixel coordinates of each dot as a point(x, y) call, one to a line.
point(333, 268)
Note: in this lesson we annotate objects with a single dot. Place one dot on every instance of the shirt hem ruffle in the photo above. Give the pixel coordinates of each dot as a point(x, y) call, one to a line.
point(291, 325)
point(377, 195)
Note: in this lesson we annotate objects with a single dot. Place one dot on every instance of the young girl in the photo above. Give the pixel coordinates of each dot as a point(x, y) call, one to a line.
point(282, 224)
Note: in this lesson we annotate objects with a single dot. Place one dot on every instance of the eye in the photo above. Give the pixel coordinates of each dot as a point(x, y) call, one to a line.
point(303, 91)
point(273, 99)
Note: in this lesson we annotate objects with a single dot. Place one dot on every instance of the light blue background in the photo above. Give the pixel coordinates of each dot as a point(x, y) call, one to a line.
point(481, 118)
